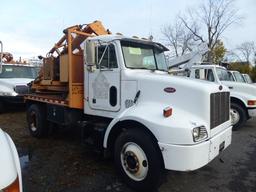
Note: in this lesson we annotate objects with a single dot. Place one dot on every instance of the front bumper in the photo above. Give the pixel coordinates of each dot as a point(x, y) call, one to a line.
point(252, 112)
point(192, 157)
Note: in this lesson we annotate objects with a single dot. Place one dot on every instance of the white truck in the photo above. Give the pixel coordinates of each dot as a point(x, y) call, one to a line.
point(242, 95)
point(13, 82)
point(236, 76)
point(10, 170)
point(247, 78)
point(118, 89)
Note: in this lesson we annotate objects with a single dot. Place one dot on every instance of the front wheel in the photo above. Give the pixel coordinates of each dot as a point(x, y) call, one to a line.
point(238, 116)
point(138, 160)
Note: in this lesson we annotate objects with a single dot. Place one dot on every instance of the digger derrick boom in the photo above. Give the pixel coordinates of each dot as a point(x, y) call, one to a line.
point(61, 78)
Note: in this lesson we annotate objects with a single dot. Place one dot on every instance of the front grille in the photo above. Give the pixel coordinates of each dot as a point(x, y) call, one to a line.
point(21, 89)
point(220, 104)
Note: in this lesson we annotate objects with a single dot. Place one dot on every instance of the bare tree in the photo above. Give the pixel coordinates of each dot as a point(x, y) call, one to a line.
point(210, 20)
point(178, 37)
point(246, 51)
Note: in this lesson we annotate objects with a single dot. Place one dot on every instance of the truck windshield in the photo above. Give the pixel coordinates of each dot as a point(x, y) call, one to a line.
point(15, 71)
point(140, 56)
point(238, 77)
point(223, 74)
point(247, 78)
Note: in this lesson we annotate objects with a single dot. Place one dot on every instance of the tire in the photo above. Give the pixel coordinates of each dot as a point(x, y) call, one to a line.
point(37, 123)
point(238, 115)
point(136, 152)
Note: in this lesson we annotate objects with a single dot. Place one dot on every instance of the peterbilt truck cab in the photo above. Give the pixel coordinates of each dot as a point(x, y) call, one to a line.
point(132, 108)
point(243, 95)
point(131, 85)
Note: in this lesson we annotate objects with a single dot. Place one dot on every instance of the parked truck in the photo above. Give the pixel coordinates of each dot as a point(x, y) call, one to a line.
point(247, 78)
point(13, 82)
point(236, 76)
point(117, 89)
point(242, 95)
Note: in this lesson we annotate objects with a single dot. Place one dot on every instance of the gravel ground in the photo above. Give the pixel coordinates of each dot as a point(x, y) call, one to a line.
point(61, 163)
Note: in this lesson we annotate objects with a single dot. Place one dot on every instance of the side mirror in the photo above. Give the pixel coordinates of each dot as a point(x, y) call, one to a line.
point(1, 56)
point(90, 56)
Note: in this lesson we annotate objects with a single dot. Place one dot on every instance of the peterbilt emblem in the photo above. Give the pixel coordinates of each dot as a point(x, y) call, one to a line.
point(169, 90)
point(220, 87)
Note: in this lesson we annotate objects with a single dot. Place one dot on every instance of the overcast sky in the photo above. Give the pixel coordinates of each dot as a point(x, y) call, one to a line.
point(30, 28)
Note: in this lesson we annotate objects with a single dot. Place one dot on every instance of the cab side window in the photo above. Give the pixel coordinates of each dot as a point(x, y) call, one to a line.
point(197, 73)
point(210, 76)
point(106, 57)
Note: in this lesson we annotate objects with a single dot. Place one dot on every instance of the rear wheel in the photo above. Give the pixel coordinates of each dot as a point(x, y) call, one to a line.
point(238, 116)
point(36, 118)
point(138, 160)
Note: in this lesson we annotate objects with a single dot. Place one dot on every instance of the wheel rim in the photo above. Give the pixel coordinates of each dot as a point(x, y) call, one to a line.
point(134, 161)
point(33, 124)
point(235, 116)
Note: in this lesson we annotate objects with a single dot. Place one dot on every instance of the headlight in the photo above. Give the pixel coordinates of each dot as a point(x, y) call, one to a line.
point(199, 133)
point(14, 187)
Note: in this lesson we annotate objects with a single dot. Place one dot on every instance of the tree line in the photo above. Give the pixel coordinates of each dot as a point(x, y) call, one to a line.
point(206, 24)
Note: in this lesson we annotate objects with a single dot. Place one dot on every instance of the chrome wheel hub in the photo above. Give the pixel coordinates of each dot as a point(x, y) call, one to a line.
point(235, 117)
point(33, 122)
point(134, 161)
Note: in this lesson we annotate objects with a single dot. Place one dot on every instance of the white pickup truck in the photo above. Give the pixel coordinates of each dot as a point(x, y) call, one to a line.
point(243, 95)
point(10, 170)
point(236, 76)
point(13, 83)
point(247, 78)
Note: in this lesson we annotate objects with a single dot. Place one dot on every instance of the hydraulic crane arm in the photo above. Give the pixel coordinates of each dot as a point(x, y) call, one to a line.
point(188, 60)
point(62, 76)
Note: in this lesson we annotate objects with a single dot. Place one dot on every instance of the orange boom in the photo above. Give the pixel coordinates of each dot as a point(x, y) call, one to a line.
point(60, 80)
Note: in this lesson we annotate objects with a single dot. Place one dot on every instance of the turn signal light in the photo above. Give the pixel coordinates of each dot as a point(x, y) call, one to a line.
point(167, 112)
point(251, 102)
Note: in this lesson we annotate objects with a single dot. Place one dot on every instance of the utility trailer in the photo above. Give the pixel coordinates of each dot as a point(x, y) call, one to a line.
point(119, 91)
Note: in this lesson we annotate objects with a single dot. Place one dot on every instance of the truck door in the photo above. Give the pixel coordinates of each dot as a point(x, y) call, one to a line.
point(104, 81)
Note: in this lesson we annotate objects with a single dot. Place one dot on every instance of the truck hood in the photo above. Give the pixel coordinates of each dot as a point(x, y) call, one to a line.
point(12, 82)
point(241, 87)
point(180, 93)
point(8, 168)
